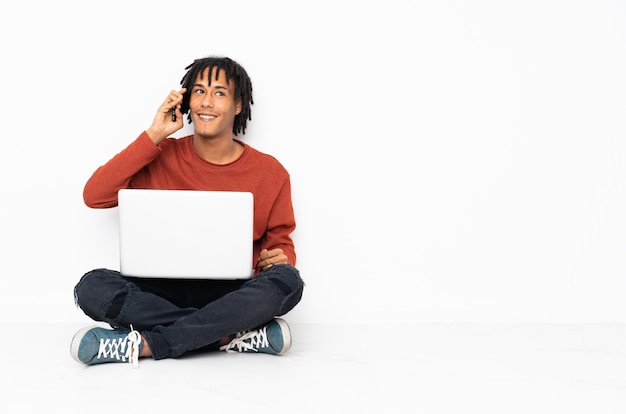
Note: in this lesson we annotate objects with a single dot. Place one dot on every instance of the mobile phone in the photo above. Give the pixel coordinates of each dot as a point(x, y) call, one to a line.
point(174, 114)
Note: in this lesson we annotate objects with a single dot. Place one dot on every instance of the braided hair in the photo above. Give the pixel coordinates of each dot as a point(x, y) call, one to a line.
point(234, 72)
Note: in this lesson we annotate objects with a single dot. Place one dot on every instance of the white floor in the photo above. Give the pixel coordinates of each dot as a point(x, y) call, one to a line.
point(421, 368)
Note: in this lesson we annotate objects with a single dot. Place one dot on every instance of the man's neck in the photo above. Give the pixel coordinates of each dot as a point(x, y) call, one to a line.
point(217, 150)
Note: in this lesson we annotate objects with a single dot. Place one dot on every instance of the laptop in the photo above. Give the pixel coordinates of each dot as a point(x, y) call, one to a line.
point(186, 234)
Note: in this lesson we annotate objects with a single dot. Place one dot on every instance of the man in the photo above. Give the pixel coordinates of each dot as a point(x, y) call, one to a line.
point(164, 318)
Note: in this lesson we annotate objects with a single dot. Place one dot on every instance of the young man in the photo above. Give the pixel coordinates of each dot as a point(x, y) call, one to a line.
point(166, 318)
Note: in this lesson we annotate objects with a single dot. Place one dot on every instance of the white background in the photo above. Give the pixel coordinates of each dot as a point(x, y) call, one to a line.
point(451, 161)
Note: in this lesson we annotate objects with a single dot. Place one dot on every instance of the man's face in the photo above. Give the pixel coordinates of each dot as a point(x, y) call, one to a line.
point(213, 108)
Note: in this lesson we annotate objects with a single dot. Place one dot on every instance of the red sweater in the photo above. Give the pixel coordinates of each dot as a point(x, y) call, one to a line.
point(174, 165)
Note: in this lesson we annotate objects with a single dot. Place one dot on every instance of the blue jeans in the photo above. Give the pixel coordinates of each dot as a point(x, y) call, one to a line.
point(179, 316)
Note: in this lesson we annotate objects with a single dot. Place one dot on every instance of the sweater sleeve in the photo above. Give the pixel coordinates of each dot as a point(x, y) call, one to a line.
point(281, 224)
point(101, 189)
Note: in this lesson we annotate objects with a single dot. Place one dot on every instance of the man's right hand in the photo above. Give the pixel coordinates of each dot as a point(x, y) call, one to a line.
point(163, 124)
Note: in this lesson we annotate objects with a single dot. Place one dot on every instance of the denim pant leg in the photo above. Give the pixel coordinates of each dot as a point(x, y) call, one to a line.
point(271, 293)
point(105, 295)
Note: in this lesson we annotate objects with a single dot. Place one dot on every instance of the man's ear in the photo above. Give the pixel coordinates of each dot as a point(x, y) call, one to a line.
point(238, 107)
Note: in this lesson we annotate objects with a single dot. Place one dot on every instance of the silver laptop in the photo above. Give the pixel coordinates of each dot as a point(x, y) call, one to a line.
point(186, 234)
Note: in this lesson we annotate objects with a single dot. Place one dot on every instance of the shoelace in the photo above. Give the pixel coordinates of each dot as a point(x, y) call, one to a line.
point(124, 349)
point(247, 341)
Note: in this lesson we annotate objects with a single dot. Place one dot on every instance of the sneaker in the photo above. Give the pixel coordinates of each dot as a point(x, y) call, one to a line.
point(93, 345)
point(272, 338)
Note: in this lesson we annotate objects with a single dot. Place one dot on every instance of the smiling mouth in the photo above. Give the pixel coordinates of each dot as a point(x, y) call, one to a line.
point(204, 117)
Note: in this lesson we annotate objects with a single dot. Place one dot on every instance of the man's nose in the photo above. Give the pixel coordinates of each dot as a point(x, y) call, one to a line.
point(207, 101)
